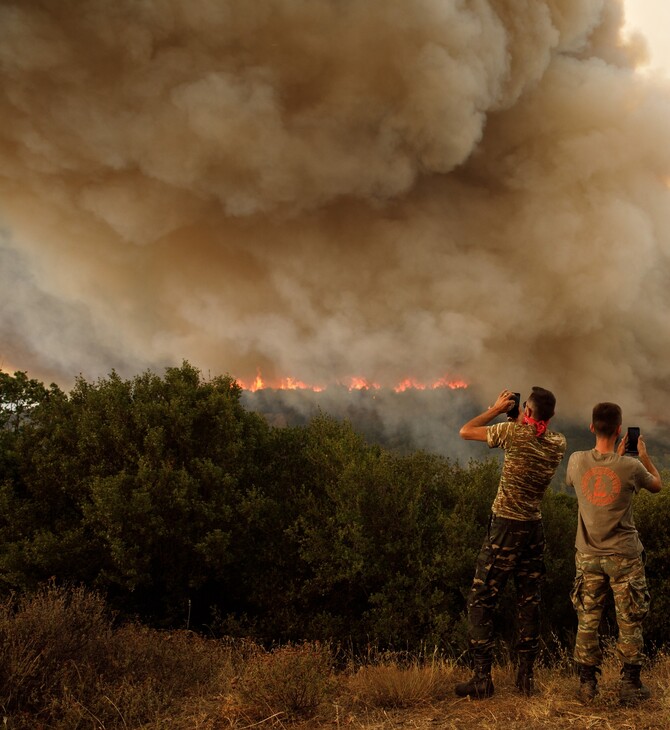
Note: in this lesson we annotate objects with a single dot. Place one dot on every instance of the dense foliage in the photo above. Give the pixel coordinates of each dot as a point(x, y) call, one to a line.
point(185, 509)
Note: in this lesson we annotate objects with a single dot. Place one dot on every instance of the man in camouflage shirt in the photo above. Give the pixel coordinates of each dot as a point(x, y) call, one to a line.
point(514, 543)
point(609, 551)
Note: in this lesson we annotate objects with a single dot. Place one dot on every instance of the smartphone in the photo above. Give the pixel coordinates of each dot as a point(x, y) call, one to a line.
point(631, 443)
point(513, 412)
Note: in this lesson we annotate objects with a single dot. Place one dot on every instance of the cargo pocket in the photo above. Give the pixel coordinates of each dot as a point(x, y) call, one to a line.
point(637, 600)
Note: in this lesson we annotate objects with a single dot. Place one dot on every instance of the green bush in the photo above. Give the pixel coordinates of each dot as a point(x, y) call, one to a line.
point(652, 518)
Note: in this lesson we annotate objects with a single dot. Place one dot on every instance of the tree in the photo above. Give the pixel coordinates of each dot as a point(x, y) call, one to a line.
point(132, 486)
point(19, 396)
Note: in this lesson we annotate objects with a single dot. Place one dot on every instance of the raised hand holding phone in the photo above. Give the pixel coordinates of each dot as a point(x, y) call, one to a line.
point(513, 412)
point(632, 437)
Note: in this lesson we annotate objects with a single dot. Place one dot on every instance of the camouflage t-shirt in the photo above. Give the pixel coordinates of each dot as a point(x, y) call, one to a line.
point(530, 463)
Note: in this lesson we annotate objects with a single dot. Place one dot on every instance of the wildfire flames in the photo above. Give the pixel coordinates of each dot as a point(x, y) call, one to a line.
point(352, 383)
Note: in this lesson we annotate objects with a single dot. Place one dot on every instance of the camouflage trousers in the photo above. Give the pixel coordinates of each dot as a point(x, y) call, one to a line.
point(625, 576)
point(511, 548)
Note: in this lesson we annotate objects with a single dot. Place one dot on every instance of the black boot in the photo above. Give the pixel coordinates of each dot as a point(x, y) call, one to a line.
point(588, 681)
point(480, 686)
point(525, 681)
point(631, 688)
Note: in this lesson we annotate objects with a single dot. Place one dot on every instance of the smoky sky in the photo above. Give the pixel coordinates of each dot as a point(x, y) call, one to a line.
point(333, 188)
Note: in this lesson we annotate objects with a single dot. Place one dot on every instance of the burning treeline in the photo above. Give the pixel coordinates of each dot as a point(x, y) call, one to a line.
point(393, 188)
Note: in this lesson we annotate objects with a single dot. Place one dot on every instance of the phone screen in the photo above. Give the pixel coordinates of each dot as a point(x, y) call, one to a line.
point(633, 436)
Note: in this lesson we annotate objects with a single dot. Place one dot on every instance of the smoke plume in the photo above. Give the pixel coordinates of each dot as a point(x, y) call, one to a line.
point(337, 188)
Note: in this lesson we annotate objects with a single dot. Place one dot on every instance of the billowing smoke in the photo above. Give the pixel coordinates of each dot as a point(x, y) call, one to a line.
point(332, 188)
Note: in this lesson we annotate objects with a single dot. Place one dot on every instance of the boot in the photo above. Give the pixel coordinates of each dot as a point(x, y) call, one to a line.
point(631, 688)
point(525, 681)
point(588, 682)
point(480, 686)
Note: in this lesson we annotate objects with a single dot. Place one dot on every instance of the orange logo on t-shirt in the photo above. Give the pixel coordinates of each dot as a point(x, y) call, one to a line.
point(601, 485)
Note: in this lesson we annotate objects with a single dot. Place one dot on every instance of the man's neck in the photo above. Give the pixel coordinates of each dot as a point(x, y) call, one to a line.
point(605, 445)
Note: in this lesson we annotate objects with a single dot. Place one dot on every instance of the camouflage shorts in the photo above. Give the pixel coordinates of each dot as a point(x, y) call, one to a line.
point(625, 576)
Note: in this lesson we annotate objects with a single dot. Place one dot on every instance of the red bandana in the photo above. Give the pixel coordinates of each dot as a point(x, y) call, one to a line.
point(540, 426)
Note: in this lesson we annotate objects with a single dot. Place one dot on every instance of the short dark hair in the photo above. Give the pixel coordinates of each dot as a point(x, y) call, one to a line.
point(606, 418)
point(542, 403)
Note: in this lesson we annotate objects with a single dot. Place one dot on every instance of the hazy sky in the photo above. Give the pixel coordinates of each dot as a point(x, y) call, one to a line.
point(386, 189)
point(652, 19)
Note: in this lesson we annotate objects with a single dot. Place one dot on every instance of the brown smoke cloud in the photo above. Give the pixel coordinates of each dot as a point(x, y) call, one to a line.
point(332, 188)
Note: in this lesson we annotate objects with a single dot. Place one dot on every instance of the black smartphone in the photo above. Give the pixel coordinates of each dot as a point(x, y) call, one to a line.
point(513, 412)
point(631, 443)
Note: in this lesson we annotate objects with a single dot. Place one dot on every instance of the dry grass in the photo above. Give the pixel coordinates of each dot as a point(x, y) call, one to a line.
point(392, 694)
point(554, 706)
point(292, 682)
point(394, 683)
point(65, 667)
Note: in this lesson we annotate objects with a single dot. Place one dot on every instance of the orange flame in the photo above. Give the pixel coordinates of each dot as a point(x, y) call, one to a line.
point(258, 383)
point(408, 383)
point(293, 384)
point(357, 383)
point(444, 382)
point(451, 384)
point(354, 383)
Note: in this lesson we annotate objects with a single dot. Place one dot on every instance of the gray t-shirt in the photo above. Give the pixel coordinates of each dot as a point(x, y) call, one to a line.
point(605, 485)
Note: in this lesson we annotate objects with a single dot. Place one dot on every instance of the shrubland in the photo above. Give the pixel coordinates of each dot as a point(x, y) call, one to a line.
point(191, 520)
point(70, 664)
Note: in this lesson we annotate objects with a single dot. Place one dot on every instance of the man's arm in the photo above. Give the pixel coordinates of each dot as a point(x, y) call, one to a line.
point(656, 483)
point(475, 429)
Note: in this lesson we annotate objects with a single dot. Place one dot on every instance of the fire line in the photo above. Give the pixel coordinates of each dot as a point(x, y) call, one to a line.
point(351, 384)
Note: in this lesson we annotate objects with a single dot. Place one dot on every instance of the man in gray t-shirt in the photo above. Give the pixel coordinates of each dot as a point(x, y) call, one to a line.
point(609, 551)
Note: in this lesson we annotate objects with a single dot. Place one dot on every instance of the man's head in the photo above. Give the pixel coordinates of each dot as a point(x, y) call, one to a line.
point(542, 403)
point(606, 420)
